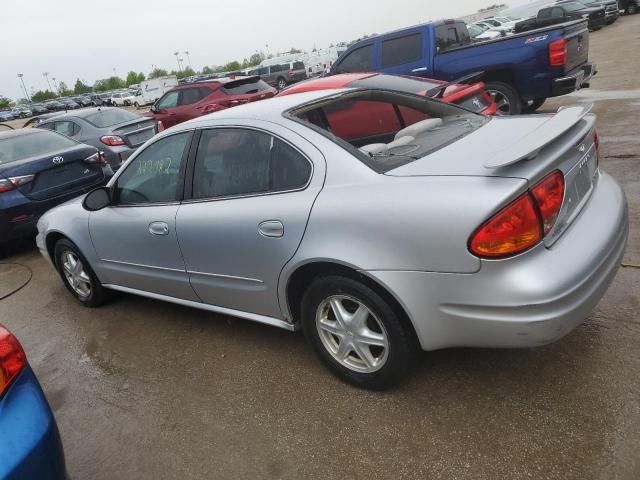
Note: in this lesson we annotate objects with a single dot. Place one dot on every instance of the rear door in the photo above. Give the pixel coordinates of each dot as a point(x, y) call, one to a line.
point(577, 38)
point(135, 238)
point(404, 54)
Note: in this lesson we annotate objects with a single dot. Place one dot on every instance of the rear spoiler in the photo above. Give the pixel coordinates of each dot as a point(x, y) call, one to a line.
point(530, 145)
point(438, 91)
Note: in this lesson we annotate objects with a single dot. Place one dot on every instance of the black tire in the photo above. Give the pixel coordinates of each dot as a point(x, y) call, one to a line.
point(632, 8)
point(402, 347)
point(500, 92)
point(532, 105)
point(98, 294)
point(281, 83)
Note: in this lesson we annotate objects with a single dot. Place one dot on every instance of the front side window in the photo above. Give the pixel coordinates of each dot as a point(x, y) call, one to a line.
point(399, 51)
point(234, 161)
point(155, 175)
point(170, 100)
point(359, 60)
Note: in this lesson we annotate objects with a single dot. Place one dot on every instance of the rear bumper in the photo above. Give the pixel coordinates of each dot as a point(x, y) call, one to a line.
point(575, 80)
point(30, 445)
point(529, 300)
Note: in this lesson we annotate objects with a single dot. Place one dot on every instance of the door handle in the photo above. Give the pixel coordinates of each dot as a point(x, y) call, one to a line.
point(421, 69)
point(159, 228)
point(271, 228)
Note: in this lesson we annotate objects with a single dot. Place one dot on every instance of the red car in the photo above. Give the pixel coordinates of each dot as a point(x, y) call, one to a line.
point(473, 97)
point(192, 100)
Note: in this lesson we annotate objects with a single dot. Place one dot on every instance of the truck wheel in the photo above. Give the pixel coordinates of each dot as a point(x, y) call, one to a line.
point(531, 106)
point(506, 98)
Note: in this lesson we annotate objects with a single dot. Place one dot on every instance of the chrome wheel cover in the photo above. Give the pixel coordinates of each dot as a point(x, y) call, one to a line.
point(502, 102)
point(352, 334)
point(75, 274)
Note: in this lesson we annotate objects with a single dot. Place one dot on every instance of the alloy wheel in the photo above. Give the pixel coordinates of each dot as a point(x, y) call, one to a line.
point(352, 334)
point(74, 273)
point(502, 102)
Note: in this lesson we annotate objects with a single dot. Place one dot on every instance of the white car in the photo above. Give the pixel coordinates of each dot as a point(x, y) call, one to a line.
point(482, 32)
point(120, 99)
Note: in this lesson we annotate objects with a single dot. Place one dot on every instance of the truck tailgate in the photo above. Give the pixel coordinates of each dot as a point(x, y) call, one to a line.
point(577, 38)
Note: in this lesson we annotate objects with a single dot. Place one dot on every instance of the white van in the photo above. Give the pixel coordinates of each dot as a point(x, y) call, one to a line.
point(152, 90)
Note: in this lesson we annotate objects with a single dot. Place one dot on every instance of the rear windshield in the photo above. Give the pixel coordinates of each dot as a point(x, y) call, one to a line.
point(387, 130)
point(393, 82)
point(298, 66)
point(108, 118)
point(245, 86)
point(38, 143)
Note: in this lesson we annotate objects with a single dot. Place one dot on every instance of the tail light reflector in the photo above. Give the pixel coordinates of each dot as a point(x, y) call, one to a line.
point(523, 223)
point(112, 140)
point(558, 53)
point(12, 359)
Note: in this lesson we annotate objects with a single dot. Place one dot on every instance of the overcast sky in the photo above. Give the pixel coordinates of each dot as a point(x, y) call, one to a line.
point(87, 39)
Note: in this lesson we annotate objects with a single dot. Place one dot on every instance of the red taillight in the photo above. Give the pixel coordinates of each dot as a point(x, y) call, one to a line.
point(558, 53)
point(596, 141)
point(523, 223)
point(512, 230)
point(549, 194)
point(13, 182)
point(112, 140)
point(12, 359)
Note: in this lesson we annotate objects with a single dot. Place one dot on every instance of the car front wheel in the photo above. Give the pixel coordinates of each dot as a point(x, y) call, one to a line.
point(281, 84)
point(77, 274)
point(357, 333)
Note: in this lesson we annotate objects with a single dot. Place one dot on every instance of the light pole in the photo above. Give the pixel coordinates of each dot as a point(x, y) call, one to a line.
point(46, 76)
point(178, 60)
point(188, 59)
point(20, 76)
point(55, 84)
point(114, 72)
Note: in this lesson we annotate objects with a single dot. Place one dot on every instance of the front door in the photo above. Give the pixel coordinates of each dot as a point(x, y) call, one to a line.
point(135, 238)
point(251, 198)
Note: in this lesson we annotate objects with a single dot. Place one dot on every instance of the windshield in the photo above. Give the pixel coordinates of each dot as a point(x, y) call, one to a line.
point(108, 118)
point(572, 7)
point(387, 130)
point(38, 143)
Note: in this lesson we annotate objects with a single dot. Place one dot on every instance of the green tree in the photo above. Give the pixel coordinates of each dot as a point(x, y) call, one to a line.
point(207, 70)
point(80, 87)
point(232, 66)
point(63, 90)
point(141, 77)
point(256, 58)
point(158, 72)
point(111, 83)
point(132, 77)
point(294, 50)
point(5, 102)
point(43, 95)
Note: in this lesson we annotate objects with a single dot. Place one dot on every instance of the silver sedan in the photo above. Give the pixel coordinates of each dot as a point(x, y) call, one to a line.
point(379, 222)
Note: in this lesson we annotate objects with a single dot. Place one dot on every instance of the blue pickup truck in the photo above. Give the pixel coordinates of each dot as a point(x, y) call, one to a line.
point(520, 71)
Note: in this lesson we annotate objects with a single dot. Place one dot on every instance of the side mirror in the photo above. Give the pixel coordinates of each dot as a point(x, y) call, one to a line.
point(153, 108)
point(97, 199)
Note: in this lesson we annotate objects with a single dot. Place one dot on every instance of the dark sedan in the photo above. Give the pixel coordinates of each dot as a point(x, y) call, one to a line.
point(54, 106)
point(117, 132)
point(40, 169)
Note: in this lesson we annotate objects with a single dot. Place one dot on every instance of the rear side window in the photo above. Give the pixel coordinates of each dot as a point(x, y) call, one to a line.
point(298, 66)
point(279, 68)
point(241, 87)
point(235, 161)
point(451, 35)
point(193, 95)
point(361, 119)
point(359, 60)
point(108, 118)
point(34, 144)
point(398, 51)
point(66, 128)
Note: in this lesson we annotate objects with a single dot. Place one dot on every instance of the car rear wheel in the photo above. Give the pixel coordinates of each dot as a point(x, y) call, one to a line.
point(531, 106)
point(356, 333)
point(136, 104)
point(506, 98)
point(77, 275)
point(281, 84)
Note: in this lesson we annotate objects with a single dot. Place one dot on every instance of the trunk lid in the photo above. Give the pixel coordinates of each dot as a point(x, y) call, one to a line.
point(577, 39)
point(136, 132)
point(55, 177)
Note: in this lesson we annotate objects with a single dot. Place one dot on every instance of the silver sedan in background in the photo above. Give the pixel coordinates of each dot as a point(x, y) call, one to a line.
point(379, 222)
point(117, 132)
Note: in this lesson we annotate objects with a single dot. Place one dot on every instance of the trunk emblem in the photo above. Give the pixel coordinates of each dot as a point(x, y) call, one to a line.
point(582, 148)
point(57, 160)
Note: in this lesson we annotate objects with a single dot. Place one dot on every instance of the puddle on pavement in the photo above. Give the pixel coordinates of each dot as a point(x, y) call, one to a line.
point(97, 354)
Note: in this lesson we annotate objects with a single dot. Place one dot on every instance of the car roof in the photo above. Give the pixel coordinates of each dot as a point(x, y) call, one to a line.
point(326, 83)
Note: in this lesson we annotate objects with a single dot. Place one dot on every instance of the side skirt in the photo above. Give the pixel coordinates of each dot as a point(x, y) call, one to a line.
point(274, 322)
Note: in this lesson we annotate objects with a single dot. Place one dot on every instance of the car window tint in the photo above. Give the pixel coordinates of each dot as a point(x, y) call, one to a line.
point(557, 12)
point(359, 60)
point(190, 96)
point(398, 51)
point(361, 119)
point(66, 128)
point(170, 100)
point(451, 35)
point(240, 87)
point(298, 66)
point(233, 161)
point(154, 176)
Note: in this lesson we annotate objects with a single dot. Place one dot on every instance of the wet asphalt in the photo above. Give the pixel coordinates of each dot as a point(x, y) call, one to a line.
point(148, 390)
